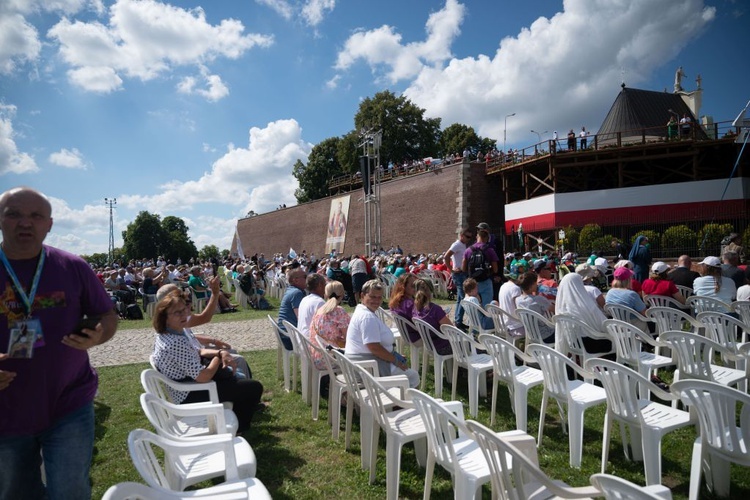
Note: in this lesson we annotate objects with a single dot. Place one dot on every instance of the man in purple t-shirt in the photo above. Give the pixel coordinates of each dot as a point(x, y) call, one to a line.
point(47, 388)
point(484, 280)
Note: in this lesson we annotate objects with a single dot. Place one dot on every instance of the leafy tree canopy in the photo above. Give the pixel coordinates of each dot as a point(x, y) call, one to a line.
point(208, 252)
point(143, 237)
point(322, 166)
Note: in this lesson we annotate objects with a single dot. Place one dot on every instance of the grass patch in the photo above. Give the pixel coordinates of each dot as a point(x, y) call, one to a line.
point(297, 457)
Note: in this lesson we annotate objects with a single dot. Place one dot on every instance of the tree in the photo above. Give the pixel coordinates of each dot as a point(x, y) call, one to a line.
point(457, 138)
point(349, 152)
point(208, 252)
point(144, 237)
point(322, 166)
point(407, 134)
point(176, 243)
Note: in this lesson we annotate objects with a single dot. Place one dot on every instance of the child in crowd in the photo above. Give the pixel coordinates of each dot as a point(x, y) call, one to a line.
point(472, 295)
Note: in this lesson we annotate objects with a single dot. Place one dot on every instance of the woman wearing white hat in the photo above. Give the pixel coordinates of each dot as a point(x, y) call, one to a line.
point(659, 283)
point(712, 283)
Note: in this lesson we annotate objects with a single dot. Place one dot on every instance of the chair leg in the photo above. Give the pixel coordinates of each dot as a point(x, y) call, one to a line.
point(542, 412)
point(372, 447)
point(473, 392)
point(392, 467)
point(438, 365)
point(348, 423)
point(315, 389)
point(696, 469)
point(494, 400)
point(636, 440)
point(520, 397)
point(651, 443)
point(429, 471)
point(424, 369)
point(454, 380)
point(606, 439)
point(575, 434)
point(285, 362)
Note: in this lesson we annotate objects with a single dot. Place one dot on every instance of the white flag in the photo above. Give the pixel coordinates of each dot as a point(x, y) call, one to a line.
point(240, 252)
point(292, 253)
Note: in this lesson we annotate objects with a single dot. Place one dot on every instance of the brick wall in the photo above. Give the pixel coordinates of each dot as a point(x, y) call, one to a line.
point(421, 213)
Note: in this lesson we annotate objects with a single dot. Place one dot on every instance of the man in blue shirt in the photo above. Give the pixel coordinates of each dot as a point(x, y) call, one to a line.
point(289, 307)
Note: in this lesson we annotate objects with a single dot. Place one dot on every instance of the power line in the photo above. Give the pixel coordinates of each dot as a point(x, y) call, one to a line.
point(111, 203)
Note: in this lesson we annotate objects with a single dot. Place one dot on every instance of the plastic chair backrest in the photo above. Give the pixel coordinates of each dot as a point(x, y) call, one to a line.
point(463, 345)
point(380, 400)
point(351, 377)
point(703, 304)
point(165, 417)
point(721, 327)
point(717, 407)
point(475, 314)
point(162, 386)
point(662, 301)
point(443, 427)
point(669, 319)
point(425, 330)
point(509, 480)
point(625, 313)
point(621, 384)
point(503, 355)
point(294, 335)
point(554, 368)
point(532, 323)
point(405, 327)
point(693, 353)
point(686, 291)
point(617, 488)
point(627, 340)
point(572, 331)
point(501, 318)
point(742, 308)
point(276, 330)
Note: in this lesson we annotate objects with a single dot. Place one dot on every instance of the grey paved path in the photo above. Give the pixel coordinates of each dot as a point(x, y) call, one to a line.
point(135, 346)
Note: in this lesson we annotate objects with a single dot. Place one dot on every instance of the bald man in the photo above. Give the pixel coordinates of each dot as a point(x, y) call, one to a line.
point(47, 387)
point(289, 308)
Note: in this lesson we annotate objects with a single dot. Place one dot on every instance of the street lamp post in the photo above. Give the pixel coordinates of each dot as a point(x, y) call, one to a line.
point(505, 129)
point(539, 134)
point(561, 235)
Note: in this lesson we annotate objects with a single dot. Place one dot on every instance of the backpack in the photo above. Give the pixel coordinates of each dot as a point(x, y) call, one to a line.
point(133, 311)
point(479, 268)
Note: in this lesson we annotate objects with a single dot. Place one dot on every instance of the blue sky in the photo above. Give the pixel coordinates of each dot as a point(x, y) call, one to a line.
point(200, 109)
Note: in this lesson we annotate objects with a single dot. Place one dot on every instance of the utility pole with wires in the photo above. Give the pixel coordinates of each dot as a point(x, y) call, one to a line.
point(111, 203)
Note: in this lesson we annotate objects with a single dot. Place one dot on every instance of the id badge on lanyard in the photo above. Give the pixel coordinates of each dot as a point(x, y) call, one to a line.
point(25, 334)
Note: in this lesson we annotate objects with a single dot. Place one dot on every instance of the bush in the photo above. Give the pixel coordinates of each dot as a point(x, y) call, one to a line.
point(710, 236)
point(587, 240)
point(678, 239)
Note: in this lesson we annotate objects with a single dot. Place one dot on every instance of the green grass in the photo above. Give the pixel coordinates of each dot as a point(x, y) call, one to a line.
point(297, 457)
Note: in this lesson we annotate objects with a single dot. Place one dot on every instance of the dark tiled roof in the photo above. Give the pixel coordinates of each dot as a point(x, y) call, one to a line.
point(636, 109)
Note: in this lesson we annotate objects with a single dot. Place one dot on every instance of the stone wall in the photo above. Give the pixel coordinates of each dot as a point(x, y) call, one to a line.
point(421, 213)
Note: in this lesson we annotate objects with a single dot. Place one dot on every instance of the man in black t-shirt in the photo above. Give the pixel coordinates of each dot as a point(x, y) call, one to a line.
point(682, 274)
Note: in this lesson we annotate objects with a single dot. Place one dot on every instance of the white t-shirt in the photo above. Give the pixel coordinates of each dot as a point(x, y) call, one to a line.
point(366, 328)
point(506, 299)
point(357, 266)
point(593, 291)
point(743, 292)
point(457, 259)
point(307, 308)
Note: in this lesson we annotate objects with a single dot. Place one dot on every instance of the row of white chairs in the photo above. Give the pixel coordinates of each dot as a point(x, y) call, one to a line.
point(193, 443)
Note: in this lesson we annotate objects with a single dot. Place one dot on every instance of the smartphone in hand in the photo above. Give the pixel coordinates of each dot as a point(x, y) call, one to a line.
point(89, 323)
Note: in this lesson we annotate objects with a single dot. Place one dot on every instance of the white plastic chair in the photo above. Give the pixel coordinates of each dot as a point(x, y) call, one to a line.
point(305, 371)
point(686, 291)
point(668, 319)
point(239, 296)
point(628, 315)
point(439, 360)
point(502, 319)
point(337, 386)
point(628, 339)
point(198, 304)
point(532, 323)
point(646, 421)
point(188, 420)
point(186, 462)
point(475, 314)
point(742, 308)
point(695, 356)
point(519, 379)
point(721, 440)
point(663, 301)
point(450, 444)
point(576, 395)
point(149, 302)
point(701, 304)
point(415, 349)
point(316, 375)
point(569, 335)
point(400, 427)
point(162, 386)
point(617, 488)
point(477, 365)
point(285, 359)
point(520, 478)
point(237, 490)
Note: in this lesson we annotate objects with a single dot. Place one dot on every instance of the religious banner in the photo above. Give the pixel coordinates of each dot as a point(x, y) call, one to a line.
point(337, 220)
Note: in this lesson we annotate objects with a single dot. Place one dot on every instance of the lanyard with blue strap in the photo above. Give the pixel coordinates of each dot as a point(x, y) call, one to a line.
point(27, 300)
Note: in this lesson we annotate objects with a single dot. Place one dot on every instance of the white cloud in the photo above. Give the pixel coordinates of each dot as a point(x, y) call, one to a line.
point(216, 89)
point(68, 158)
point(19, 42)
point(145, 39)
point(382, 47)
point(12, 160)
point(564, 70)
point(281, 7)
point(314, 11)
point(239, 177)
point(77, 230)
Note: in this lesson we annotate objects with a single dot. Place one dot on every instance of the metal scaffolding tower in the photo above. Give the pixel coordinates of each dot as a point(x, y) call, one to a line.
point(371, 176)
point(111, 203)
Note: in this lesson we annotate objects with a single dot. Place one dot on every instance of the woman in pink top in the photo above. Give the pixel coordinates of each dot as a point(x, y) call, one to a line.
point(330, 322)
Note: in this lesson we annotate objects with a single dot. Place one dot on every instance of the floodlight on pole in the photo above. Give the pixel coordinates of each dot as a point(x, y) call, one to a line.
point(505, 128)
point(539, 134)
